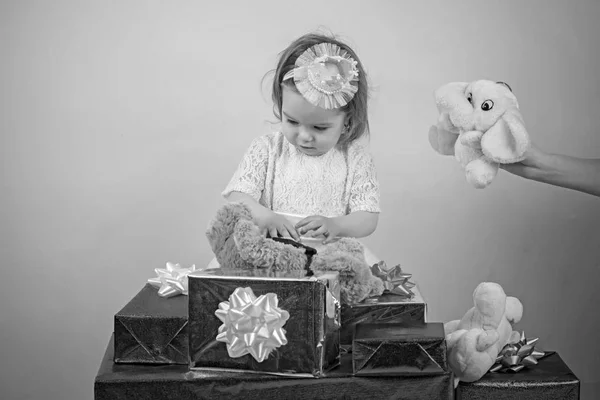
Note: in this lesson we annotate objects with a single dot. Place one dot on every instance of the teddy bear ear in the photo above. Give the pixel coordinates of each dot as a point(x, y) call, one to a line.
point(222, 225)
point(507, 140)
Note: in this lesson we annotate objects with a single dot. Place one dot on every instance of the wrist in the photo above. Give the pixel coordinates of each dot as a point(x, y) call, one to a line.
point(357, 225)
point(261, 213)
point(338, 222)
point(543, 166)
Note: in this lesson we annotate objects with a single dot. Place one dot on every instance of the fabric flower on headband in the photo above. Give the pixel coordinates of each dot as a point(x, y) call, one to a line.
point(324, 75)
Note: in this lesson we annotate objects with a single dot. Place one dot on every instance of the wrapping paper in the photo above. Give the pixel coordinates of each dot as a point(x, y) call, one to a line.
point(311, 329)
point(162, 382)
point(152, 329)
point(387, 309)
point(399, 349)
point(550, 378)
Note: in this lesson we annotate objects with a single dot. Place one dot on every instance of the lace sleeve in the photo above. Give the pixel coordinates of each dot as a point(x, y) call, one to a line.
point(250, 175)
point(364, 192)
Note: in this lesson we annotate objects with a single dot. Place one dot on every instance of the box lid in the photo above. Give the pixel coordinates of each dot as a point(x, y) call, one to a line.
point(147, 303)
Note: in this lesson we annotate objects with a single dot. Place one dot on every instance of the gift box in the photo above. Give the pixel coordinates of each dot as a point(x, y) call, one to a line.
point(384, 309)
point(550, 378)
point(165, 382)
point(415, 348)
point(264, 321)
point(152, 329)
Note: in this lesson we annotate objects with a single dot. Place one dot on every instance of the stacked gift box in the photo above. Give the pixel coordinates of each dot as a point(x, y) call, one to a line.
point(248, 334)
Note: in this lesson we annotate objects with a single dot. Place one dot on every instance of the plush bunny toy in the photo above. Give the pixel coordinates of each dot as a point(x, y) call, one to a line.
point(475, 341)
point(481, 125)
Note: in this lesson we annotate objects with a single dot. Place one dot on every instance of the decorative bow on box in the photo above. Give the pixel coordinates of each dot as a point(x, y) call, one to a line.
point(394, 280)
point(251, 325)
point(515, 356)
point(173, 280)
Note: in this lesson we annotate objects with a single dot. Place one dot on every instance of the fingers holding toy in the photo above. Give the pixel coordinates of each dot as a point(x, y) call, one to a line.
point(288, 230)
point(277, 225)
point(316, 225)
point(531, 166)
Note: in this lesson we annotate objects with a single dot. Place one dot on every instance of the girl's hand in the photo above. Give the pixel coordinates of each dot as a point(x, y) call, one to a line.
point(275, 225)
point(316, 225)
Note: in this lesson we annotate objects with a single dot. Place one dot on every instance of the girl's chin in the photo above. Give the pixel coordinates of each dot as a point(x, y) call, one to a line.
point(310, 151)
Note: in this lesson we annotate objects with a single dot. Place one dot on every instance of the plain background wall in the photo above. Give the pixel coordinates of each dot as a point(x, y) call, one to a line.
point(121, 122)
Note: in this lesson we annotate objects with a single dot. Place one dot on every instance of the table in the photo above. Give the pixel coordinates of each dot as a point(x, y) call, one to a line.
point(156, 382)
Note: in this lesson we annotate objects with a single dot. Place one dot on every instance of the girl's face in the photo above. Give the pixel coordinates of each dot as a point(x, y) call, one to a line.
point(313, 130)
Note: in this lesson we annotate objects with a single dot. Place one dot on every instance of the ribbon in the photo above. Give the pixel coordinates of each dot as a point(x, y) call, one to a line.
point(325, 75)
point(516, 356)
point(251, 325)
point(172, 281)
point(309, 251)
point(394, 280)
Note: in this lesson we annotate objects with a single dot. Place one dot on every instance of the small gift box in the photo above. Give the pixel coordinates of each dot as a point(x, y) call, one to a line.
point(384, 309)
point(550, 378)
point(414, 348)
point(264, 321)
point(400, 303)
point(152, 329)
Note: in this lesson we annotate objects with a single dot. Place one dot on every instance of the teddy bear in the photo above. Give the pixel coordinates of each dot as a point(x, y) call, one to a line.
point(481, 125)
point(474, 342)
point(237, 243)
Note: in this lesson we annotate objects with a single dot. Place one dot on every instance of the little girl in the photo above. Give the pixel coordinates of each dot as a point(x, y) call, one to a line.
point(313, 181)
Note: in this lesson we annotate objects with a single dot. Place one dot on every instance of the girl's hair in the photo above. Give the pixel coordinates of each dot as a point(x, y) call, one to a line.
point(356, 109)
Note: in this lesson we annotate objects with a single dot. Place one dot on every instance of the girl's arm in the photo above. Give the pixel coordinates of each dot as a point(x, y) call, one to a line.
point(248, 184)
point(255, 207)
point(363, 204)
point(357, 224)
point(574, 173)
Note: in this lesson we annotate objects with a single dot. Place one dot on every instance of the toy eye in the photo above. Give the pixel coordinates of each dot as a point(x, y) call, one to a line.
point(470, 98)
point(487, 105)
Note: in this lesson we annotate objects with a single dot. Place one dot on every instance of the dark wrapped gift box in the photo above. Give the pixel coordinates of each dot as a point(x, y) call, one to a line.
point(551, 378)
point(311, 330)
point(414, 348)
point(152, 329)
point(158, 382)
point(386, 309)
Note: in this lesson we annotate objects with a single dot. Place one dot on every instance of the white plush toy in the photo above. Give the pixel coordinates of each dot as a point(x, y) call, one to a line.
point(481, 125)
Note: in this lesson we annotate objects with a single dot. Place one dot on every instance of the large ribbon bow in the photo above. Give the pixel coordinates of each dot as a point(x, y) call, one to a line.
point(516, 356)
point(251, 325)
point(172, 280)
point(394, 280)
point(325, 75)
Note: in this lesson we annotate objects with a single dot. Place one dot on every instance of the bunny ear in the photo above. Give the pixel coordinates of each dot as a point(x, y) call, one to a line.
point(514, 309)
point(451, 99)
point(507, 140)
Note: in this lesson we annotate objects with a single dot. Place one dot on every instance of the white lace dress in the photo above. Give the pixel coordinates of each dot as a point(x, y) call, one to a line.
point(296, 185)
